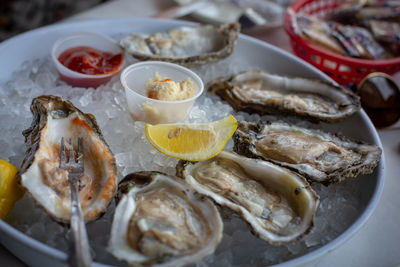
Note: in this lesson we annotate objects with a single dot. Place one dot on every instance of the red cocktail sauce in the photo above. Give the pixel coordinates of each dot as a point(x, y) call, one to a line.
point(88, 60)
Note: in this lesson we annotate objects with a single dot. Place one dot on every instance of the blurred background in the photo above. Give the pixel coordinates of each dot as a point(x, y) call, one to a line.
point(17, 16)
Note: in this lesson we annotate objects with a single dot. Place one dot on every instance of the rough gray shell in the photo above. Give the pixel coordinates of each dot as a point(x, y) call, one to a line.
point(277, 203)
point(53, 118)
point(160, 220)
point(187, 45)
point(317, 155)
point(258, 91)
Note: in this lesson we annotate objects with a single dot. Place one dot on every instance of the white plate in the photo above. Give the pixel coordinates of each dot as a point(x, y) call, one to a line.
point(249, 52)
point(216, 12)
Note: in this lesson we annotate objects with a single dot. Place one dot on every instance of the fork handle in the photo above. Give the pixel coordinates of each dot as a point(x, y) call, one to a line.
point(79, 255)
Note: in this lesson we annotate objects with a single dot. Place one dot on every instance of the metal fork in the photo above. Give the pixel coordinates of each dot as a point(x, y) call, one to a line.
point(72, 161)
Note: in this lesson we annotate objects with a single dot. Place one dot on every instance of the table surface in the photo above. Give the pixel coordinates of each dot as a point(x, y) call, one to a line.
point(377, 242)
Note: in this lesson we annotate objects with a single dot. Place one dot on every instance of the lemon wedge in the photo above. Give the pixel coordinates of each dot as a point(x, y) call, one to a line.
point(191, 141)
point(10, 191)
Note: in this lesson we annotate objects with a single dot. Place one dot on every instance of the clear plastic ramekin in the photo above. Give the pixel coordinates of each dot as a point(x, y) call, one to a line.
point(143, 108)
point(90, 39)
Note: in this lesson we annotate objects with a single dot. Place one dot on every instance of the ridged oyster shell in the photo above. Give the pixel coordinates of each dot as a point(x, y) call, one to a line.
point(317, 155)
point(54, 118)
point(278, 204)
point(160, 220)
point(257, 91)
point(187, 45)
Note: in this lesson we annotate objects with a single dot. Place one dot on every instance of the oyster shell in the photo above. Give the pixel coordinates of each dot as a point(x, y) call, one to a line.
point(53, 118)
point(319, 156)
point(160, 219)
point(278, 204)
point(258, 91)
point(188, 45)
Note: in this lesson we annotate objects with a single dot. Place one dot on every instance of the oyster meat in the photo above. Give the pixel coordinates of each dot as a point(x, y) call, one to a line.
point(319, 156)
point(188, 45)
point(258, 91)
point(54, 118)
point(159, 219)
point(278, 204)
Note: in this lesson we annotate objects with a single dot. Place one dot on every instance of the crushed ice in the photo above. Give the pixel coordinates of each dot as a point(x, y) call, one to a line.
point(133, 152)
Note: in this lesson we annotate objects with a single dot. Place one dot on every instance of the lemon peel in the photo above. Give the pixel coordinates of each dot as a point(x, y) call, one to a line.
point(10, 191)
point(191, 141)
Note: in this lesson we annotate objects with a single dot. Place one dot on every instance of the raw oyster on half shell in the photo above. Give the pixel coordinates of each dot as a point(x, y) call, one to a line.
point(317, 155)
point(160, 220)
point(187, 45)
point(258, 91)
point(278, 204)
point(54, 118)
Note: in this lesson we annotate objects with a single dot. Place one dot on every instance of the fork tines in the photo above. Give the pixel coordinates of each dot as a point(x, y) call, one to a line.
point(66, 156)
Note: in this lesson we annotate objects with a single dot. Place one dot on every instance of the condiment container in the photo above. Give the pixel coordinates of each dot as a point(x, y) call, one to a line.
point(143, 108)
point(90, 39)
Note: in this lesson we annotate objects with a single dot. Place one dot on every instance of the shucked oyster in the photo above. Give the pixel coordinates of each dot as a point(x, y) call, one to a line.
point(257, 91)
point(319, 156)
point(160, 220)
point(54, 118)
point(278, 204)
point(357, 12)
point(188, 45)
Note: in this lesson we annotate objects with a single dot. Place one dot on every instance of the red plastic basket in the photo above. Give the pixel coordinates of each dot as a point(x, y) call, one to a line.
point(344, 70)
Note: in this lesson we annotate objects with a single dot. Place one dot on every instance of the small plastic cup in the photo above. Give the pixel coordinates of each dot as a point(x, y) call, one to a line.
point(143, 108)
point(90, 39)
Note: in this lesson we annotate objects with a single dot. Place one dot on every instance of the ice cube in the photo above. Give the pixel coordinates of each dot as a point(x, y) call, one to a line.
point(86, 98)
point(134, 153)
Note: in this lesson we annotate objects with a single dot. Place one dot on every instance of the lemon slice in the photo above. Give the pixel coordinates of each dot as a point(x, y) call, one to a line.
point(10, 191)
point(191, 141)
